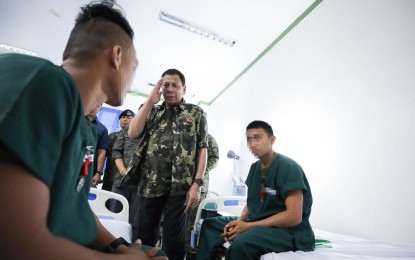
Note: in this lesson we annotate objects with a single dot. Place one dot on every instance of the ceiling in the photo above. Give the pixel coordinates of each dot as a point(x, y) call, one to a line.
point(210, 66)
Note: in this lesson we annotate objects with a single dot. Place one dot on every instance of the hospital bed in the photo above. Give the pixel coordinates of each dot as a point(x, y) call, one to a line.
point(343, 247)
point(329, 246)
point(116, 223)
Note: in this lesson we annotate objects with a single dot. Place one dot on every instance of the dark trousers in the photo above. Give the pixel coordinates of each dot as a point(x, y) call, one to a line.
point(133, 200)
point(174, 223)
point(107, 185)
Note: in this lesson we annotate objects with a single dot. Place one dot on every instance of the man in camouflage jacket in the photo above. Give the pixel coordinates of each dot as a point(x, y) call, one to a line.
point(110, 168)
point(126, 185)
point(171, 162)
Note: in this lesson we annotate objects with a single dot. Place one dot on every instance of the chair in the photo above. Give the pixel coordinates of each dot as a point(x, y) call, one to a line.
point(116, 223)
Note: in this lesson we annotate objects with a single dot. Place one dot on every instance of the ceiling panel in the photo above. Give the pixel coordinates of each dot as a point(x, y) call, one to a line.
point(209, 66)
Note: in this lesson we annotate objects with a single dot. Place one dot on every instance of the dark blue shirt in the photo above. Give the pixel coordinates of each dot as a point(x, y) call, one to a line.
point(102, 139)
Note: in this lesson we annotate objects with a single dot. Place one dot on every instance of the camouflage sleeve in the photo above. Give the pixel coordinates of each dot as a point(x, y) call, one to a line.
point(112, 137)
point(150, 120)
point(202, 131)
point(213, 153)
point(118, 148)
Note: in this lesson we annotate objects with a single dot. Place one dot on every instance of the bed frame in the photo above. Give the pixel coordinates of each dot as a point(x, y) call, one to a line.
point(116, 223)
point(329, 245)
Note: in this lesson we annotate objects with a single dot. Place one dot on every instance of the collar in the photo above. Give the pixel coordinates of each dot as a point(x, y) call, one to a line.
point(164, 106)
point(266, 166)
point(91, 119)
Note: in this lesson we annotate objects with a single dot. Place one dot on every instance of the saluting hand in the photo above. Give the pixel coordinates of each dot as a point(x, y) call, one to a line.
point(155, 94)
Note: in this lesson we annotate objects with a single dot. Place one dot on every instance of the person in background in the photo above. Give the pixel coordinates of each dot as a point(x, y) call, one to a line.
point(110, 168)
point(212, 161)
point(172, 167)
point(47, 143)
point(126, 184)
point(102, 144)
point(276, 216)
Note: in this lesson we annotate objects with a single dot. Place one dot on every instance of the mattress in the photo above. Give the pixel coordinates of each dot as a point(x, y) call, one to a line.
point(333, 246)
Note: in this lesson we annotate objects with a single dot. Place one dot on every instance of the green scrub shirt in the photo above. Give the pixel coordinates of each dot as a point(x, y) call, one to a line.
point(42, 123)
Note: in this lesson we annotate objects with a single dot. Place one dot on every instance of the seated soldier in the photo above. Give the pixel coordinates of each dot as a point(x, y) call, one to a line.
point(275, 218)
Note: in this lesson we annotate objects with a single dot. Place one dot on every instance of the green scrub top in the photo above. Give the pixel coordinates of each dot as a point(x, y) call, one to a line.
point(42, 123)
point(284, 175)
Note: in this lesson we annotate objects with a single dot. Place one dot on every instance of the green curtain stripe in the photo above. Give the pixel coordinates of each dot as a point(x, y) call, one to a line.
point(262, 54)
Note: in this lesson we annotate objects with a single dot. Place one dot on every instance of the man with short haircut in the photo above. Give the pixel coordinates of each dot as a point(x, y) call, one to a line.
point(110, 167)
point(173, 164)
point(126, 185)
point(47, 144)
point(276, 216)
point(102, 144)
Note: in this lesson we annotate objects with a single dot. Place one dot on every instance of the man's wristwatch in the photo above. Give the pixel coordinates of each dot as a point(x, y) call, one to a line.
point(115, 244)
point(100, 172)
point(199, 182)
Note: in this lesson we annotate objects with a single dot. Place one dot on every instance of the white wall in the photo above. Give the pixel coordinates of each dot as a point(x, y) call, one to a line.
point(339, 91)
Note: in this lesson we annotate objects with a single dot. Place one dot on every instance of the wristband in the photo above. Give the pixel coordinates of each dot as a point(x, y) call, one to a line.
point(115, 244)
point(199, 182)
point(100, 172)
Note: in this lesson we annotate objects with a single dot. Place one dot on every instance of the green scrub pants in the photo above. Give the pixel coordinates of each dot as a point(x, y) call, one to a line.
point(248, 245)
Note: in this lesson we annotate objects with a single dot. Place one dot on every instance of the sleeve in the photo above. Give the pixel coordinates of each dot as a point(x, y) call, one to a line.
point(103, 141)
point(151, 119)
point(202, 130)
point(118, 148)
point(41, 119)
point(292, 178)
point(251, 198)
point(213, 153)
point(111, 140)
point(249, 176)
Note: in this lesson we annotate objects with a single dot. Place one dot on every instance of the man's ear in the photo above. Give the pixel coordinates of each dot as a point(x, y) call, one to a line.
point(184, 90)
point(273, 138)
point(116, 56)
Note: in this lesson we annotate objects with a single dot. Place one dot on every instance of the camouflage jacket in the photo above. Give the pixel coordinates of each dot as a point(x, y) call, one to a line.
point(110, 168)
point(124, 147)
point(212, 160)
point(173, 137)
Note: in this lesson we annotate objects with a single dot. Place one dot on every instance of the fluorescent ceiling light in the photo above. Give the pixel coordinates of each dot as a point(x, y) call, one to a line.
point(17, 49)
point(194, 28)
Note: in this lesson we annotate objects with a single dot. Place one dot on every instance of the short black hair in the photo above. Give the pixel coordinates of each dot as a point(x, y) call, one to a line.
point(97, 27)
point(260, 124)
point(175, 72)
point(103, 10)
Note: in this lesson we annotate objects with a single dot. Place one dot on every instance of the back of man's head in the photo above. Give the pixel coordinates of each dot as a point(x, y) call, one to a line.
point(98, 27)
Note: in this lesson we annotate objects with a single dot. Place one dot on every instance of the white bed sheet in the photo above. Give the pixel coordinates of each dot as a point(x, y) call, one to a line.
point(348, 247)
